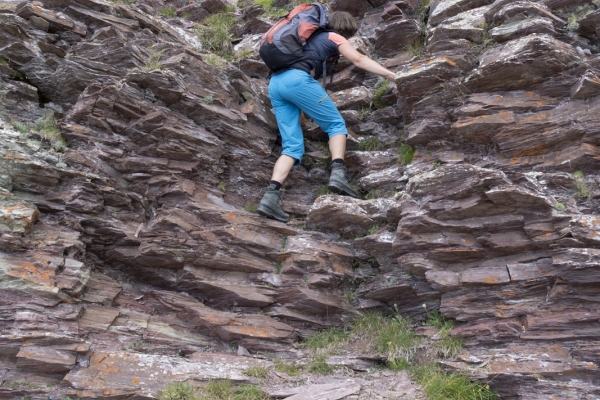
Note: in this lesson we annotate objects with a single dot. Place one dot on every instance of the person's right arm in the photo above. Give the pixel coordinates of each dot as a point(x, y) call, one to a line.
point(364, 62)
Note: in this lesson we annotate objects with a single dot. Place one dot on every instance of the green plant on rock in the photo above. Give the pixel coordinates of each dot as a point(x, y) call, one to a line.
point(370, 144)
point(168, 11)
point(225, 390)
point(153, 62)
point(416, 47)
point(215, 34)
point(405, 154)
point(559, 207)
point(288, 367)
point(582, 187)
point(318, 365)
point(364, 112)
point(4, 61)
point(47, 127)
point(349, 296)
point(381, 87)
point(423, 9)
point(61, 165)
point(278, 267)
point(372, 230)
point(208, 99)
point(323, 190)
point(253, 208)
point(264, 3)
point(22, 128)
point(214, 60)
point(276, 12)
point(328, 341)
point(440, 385)
point(18, 384)
point(178, 391)
point(257, 372)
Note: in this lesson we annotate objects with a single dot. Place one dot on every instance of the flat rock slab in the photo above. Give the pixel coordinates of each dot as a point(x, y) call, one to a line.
point(16, 215)
point(116, 373)
point(331, 391)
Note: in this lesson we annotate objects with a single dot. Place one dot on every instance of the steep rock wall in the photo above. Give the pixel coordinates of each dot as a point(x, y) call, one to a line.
point(135, 236)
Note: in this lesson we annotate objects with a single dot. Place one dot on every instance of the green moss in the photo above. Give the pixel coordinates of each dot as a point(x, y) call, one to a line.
point(559, 207)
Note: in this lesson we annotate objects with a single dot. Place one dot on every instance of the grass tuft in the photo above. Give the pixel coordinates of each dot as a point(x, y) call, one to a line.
point(168, 11)
point(253, 208)
point(178, 391)
point(264, 3)
point(440, 385)
point(257, 372)
point(288, 367)
point(47, 127)
point(319, 366)
point(381, 87)
point(153, 62)
point(327, 341)
point(23, 128)
point(405, 154)
point(416, 47)
point(214, 60)
point(363, 113)
point(582, 187)
point(370, 144)
point(215, 34)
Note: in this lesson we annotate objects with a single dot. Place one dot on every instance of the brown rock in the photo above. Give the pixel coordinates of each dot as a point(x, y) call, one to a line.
point(521, 63)
point(440, 9)
point(587, 86)
point(44, 359)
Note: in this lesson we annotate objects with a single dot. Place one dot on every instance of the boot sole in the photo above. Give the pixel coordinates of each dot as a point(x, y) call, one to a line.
point(268, 212)
point(342, 191)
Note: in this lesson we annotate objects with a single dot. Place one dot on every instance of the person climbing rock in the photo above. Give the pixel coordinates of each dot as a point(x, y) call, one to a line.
point(295, 89)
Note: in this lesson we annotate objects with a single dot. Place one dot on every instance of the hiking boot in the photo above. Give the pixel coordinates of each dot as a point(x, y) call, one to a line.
point(270, 206)
point(338, 181)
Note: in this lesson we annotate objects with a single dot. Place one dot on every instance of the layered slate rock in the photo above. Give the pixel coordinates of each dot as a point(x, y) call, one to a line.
point(136, 248)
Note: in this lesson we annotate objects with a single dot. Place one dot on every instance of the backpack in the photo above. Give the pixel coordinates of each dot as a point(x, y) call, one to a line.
point(282, 45)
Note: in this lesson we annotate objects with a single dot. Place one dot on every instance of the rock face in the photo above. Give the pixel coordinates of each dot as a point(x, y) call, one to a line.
point(134, 243)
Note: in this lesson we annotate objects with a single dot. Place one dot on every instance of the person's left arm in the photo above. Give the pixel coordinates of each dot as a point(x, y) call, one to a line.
point(364, 62)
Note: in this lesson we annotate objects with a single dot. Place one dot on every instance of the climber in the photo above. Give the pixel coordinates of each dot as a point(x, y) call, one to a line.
point(296, 89)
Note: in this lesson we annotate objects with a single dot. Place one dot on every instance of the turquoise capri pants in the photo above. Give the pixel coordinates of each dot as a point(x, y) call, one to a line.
point(294, 91)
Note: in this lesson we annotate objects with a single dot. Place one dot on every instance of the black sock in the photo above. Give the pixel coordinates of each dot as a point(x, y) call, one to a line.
point(338, 161)
point(274, 185)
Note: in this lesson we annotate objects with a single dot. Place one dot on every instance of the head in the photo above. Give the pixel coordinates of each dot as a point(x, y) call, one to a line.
point(343, 23)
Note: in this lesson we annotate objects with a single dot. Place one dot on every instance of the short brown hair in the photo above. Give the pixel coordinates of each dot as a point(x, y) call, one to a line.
point(343, 23)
